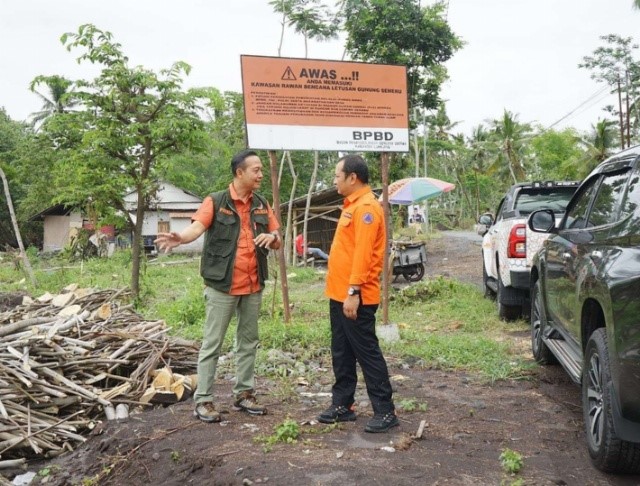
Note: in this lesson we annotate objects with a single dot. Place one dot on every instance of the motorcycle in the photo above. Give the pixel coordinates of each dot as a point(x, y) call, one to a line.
point(409, 260)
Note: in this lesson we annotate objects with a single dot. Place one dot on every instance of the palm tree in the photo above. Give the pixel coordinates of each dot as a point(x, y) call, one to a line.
point(58, 100)
point(599, 144)
point(510, 138)
point(311, 18)
point(479, 158)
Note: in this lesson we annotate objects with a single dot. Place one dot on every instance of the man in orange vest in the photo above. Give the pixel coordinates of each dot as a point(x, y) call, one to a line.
point(353, 287)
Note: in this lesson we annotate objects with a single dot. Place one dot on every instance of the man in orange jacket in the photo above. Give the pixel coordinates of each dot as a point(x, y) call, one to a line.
point(353, 287)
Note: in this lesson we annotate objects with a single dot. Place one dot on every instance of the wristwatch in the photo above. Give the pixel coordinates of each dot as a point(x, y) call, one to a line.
point(353, 291)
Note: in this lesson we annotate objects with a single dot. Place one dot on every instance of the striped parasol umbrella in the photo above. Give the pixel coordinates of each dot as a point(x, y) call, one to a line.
point(415, 189)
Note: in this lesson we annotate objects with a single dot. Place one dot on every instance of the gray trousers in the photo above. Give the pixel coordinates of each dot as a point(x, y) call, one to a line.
point(220, 308)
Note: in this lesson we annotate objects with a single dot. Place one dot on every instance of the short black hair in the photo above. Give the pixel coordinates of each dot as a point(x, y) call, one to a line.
point(237, 162)
point(355, 164)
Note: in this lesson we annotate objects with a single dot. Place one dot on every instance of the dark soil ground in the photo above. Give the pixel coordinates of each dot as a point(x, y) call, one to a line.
point(468, 424)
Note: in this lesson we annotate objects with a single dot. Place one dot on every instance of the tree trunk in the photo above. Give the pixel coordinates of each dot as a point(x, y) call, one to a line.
point(16, 229)
point(628, 117)
point(137, 244)
point(312, 185)
point(289, 246)
point(387, 227)
point(281, 259)
point(620, 116)
point(282, 27)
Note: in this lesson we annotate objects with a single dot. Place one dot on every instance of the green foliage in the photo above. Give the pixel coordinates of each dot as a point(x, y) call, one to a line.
point(411, 405)
point(443, 324)
point(305, 275)
point(185, 312)
point(512, 150)
point(126, 120)
point(310, 18)
point(557, 155)
point(59, 98)
point(600, 143)
point(406, 33)
point(13, 137)
point(425, 290)
point(515, 482)
point(615, 65)
point(47, 471)
point(448, 325)
point(511, 461)
point(286, 432)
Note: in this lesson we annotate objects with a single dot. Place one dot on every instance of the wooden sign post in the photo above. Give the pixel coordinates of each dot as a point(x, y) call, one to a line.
point(273, 164)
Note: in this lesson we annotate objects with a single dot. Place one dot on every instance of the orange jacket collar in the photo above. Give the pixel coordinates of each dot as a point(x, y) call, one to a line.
point(356, 194)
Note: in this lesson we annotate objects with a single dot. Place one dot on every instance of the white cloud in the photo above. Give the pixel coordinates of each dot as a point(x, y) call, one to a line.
point(520, 55)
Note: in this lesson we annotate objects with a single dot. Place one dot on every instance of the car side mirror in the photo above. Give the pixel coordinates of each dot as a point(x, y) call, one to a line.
point(542, 221)
point(486, 219)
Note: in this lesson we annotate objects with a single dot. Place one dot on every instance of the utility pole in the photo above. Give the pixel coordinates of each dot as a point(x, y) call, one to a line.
point(626, 82)
point(620, 115)
point(415, 143)
point(424, 152)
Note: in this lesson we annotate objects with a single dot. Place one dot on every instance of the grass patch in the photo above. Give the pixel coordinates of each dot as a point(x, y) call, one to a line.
point(443, 324)
point(448, 325)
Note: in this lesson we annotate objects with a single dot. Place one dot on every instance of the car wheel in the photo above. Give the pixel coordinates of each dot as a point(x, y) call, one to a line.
point(540, 351)
point(488, 293)
point(506, 312)
point(608, 452)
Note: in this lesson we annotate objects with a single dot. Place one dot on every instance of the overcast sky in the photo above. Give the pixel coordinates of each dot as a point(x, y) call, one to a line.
point(520, 55)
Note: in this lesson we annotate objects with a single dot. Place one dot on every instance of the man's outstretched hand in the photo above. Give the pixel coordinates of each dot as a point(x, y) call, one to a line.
point(167, 241)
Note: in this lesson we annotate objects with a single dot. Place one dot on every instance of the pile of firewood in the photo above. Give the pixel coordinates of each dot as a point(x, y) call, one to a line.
point(65, 358)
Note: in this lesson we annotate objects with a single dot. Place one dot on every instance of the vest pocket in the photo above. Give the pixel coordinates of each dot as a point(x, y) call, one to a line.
point(226, 227)
point(217, 264)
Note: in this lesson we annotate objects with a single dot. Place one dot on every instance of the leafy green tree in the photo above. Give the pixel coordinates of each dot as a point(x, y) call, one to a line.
point(614, 64)
point(557, 155)
point(129, 120)
point(207, 170)
point(16, 229)
point(27, 161)
point(406, 33)
point(12, 136)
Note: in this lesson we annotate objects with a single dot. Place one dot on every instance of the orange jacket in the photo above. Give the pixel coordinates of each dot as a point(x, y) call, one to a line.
point(358, 248)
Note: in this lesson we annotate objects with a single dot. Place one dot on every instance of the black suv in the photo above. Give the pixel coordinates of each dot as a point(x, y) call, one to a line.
point(585, 293)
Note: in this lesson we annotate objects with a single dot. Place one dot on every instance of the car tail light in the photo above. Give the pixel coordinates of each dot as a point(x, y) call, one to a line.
point(517, 242)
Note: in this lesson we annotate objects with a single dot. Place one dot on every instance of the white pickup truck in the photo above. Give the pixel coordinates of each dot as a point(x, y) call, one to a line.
point(508, 246)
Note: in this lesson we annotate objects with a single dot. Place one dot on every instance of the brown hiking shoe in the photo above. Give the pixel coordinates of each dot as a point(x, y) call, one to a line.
point(246, 402)
point(206, 412)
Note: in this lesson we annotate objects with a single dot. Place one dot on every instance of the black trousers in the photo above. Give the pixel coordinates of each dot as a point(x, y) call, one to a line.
point(356, 341)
